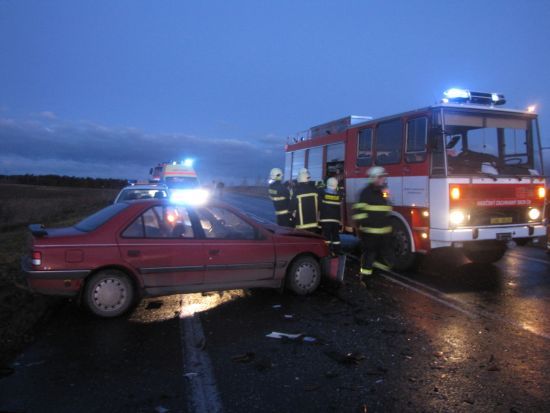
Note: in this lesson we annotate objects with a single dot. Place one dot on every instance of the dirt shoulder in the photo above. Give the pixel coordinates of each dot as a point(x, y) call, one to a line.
point(21, 311)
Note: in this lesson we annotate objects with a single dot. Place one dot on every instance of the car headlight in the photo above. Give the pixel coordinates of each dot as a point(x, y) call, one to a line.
point(534, 214)
point(457, 217)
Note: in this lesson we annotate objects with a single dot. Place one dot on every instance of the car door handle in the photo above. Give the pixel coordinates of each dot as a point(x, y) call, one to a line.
point(133, 253)
point(214, 252)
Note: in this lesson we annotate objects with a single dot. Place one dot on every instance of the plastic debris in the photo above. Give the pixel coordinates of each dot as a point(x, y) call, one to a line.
point(191, 375)
point(289, 316)
point(244, 358)
point(279, 335)
point(161, 409)
point(277, 306)
point(308, 339)
point(346, 358)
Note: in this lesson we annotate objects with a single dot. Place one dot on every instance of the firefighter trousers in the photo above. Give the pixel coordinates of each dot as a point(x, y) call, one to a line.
point(331, 233)
point(285, 220)
point(374, 247)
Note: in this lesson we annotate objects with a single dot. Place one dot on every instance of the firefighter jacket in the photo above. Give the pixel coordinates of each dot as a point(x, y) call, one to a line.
point(329, 210)
point(305, 202)
point(372, 212)
point(280, 196)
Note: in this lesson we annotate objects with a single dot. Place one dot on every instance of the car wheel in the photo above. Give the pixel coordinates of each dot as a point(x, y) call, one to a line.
point(109, 293)
point(304, 276)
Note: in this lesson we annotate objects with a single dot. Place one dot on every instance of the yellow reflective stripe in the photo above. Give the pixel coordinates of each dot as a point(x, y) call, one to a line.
point(370, 230)
point(314, 225)
point(378, 207)
point(285, 211)
point(278, 198)
point(380, 266)
point(359, 205)
point(306, 195)
point(366, 271)
point(273, 191)
point(332, 197)
point(329, 220)
point(330, 202)
point(360, 216)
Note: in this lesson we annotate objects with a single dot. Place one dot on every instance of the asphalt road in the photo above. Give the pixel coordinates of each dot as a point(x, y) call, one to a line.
point(452, 336)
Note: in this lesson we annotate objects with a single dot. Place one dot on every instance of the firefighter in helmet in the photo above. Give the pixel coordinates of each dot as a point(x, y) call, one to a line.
point(372, 215)
point(280, 196)
point(330, 215)
point(304, 203)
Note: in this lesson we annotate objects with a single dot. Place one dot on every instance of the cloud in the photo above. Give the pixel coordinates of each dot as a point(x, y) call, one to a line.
point(50, 145)
point(47, 115)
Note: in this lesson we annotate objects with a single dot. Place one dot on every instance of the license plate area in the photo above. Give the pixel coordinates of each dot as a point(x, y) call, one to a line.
point(502, 220)
point(504, 236)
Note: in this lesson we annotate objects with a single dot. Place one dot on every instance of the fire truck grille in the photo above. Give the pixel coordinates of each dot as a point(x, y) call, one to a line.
point(497, 216)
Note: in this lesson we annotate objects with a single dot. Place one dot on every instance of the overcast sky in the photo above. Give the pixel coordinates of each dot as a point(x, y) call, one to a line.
point(109, 88)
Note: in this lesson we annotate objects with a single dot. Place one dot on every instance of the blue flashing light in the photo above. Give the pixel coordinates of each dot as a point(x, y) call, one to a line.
point(455, 93)
point(188, 162)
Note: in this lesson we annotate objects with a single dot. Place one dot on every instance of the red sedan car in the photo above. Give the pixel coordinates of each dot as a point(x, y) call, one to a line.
point(152, 248)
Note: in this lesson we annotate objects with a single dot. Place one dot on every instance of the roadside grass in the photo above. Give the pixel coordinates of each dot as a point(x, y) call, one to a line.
point(21, 205)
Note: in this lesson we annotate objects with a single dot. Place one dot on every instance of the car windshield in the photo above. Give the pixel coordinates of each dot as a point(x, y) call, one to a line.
point(99, 218)
point(141, 193)
point(490, 144)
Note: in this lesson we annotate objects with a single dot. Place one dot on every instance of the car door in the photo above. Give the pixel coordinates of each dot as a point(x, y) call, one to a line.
point(161, 245)
point(235, 249)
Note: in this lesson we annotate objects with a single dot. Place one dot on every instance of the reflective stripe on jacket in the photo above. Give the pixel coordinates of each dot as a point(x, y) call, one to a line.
point(280, 196)
point(372, 212)
point(304, 202)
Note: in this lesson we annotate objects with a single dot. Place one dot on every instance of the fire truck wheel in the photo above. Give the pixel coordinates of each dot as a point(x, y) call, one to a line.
point(109, 293)
point(485, 254)
point(304, 275)
point(400, 256)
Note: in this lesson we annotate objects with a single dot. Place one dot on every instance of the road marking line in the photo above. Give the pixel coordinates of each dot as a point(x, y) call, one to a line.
point(525, 257)
point(447, 301)
point(203, 396)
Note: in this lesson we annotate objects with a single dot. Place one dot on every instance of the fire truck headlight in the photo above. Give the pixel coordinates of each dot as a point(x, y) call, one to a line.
point(534, 214)
point(541, 192)
point(457, 217)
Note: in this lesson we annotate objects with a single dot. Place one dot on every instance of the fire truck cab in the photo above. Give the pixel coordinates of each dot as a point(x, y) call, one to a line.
point(464, 173)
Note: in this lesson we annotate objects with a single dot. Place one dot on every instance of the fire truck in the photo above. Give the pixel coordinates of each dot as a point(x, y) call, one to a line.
point(464, 173)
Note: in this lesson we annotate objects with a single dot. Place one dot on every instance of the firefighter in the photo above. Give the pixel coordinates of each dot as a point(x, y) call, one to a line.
point(280, 196)
point(304, 203)
point(372, 214)
point(330, 215)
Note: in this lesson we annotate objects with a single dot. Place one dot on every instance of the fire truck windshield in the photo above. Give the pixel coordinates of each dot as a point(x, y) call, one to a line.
point(480, 143)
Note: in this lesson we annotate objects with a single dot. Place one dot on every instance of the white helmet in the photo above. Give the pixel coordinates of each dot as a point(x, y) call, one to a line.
point(332, 183)
point(376, 172)
point(303, 175)
point(276, 174)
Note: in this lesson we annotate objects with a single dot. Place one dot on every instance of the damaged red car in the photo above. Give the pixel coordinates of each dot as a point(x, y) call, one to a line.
point(131, 250)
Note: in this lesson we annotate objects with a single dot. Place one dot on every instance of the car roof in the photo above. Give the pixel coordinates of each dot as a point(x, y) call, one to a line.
point(151, 186)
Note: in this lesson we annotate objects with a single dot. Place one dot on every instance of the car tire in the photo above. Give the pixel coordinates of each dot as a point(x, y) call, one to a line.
point(304, 276)
point(109, 293)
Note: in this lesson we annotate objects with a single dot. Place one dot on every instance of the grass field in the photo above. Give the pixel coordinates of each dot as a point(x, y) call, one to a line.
point(21, 205)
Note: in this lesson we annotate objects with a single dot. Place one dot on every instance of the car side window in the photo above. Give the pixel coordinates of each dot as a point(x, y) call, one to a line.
point(161, 222)
point(220, 223)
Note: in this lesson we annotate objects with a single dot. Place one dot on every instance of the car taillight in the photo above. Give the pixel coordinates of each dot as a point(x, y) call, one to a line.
point(36, 258)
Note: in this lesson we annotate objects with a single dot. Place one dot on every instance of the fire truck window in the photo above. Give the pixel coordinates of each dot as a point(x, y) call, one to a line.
point(335, 159)
point(364, 148)
point(298, 162)
point(315, 163)
point(417, 134)
point(389, 142)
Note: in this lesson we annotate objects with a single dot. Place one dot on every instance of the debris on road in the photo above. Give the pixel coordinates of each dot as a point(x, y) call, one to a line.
point(244, 358)
point(276, 306)
point(279, 335)
point(190, 375)
point(346, 358)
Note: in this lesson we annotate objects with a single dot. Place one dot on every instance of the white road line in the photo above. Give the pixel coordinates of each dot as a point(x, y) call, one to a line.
point(442, 298)
point(202, 394)
point(525, 257)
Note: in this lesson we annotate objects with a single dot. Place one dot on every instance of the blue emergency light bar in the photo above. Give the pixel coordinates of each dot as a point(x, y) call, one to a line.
point(456, 95)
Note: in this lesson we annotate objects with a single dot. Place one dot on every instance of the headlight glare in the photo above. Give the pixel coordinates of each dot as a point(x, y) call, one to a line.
point(534, 214)
point(457, 217)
